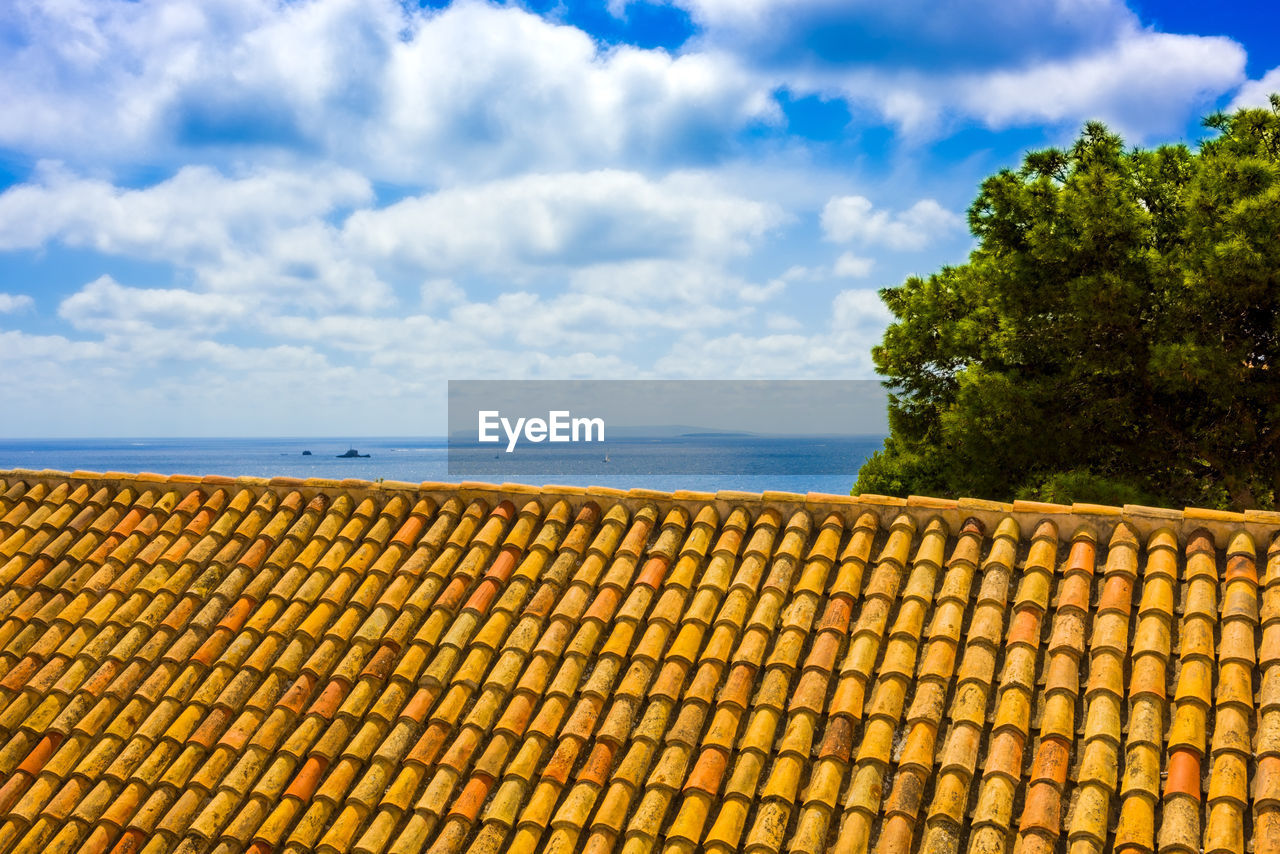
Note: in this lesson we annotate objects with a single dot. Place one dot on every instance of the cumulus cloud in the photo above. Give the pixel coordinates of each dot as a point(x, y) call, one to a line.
point(10, 303)
point(855, 218)
point(927, 66)
point(1257, 93)
point(407, 94)
point(145, 359)
point(176, 385)
point(840, 350)
point(962, 34)
point(567, 218)
point(675, 282)
point(782, 323)
point(851, 266)
point(104, 305)
point(431, 97)
point(266, 232)
point(1146, 83)
point(197, 213)
point(282, 236)
point(38, 352)
point(435, 292)
point(303, 274)
point(330, 201)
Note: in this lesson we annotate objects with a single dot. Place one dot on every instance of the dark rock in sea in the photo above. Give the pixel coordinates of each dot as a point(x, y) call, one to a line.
point(306, 453)
point(352, 454)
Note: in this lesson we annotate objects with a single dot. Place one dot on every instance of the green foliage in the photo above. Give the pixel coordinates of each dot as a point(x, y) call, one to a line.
point(1067, 487)
point(1114, 337)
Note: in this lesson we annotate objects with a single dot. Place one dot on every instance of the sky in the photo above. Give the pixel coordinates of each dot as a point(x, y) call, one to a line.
point(303, 217)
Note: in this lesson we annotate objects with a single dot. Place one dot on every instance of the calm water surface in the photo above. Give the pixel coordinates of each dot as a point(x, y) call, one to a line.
point(790, 464)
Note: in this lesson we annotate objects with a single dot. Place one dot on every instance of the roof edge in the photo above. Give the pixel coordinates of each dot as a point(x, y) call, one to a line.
point(1101, 519)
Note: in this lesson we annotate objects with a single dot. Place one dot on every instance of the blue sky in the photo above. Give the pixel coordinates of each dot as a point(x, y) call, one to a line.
point(224, 217)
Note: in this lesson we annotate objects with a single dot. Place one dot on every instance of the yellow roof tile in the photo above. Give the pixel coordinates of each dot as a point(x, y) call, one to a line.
point(199, 663)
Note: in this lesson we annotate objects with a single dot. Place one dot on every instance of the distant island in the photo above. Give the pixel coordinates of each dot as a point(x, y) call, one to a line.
point(737, 435)
point(650, 431)
point(351, 454)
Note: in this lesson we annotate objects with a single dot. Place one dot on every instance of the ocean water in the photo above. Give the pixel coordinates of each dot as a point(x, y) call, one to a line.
point(794, 464)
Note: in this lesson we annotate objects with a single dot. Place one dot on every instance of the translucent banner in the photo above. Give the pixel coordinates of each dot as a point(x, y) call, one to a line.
point(523, 429)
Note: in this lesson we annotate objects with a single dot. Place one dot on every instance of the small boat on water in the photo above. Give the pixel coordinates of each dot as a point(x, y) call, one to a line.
point(352, 454)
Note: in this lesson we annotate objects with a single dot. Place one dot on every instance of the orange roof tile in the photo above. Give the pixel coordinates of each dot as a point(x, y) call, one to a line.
point(248, 665)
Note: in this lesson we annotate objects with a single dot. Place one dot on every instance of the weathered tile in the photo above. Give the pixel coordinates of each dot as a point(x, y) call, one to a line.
point(230, 666)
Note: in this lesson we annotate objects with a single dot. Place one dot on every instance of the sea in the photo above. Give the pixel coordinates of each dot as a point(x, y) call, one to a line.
point(750, 463)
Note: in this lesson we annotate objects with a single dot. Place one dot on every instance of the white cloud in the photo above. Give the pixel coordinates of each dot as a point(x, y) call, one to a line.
point(286, 280)
point(782, 323)
point(435, 292)
point(104, 305)
point(1145, 84)
point(517, 334)
point(439, 97)
point(584, 321)
point(413, 95)
point(481, 82)
point(11, 303)
point(968, 32)
point(172, 384)
point(841, 350)
point(543, 205)
point(284, 235)
point(776, 286)
point(859, 311)
point(21, 347)
point(926, 67)
point(850, 218)
point(850, 266)
point(763, 293)
point(196, 213)
point(672, 282)
point(557, 219)
point(265, 232)
point(1256, 93)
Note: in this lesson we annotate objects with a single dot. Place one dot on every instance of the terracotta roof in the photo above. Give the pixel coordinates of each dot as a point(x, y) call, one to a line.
point(247, 665)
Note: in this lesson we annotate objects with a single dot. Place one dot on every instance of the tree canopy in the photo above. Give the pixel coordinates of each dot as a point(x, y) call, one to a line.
point(1114, 337)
